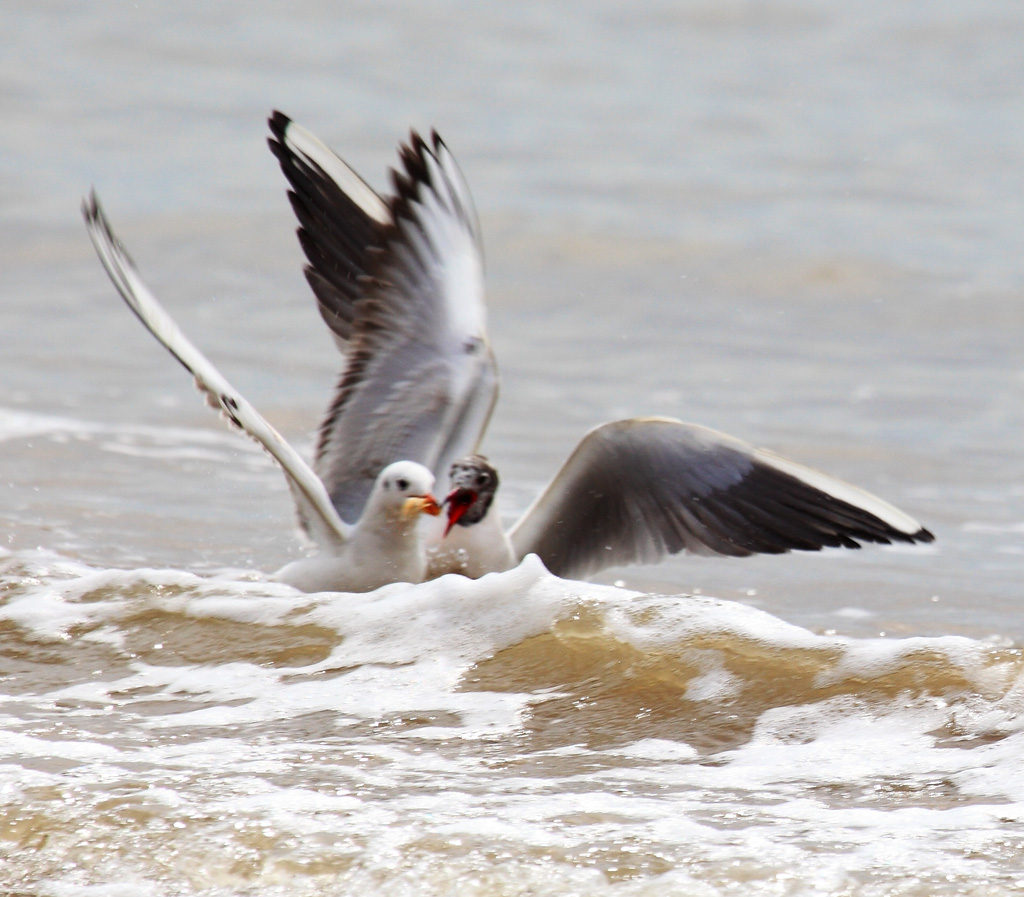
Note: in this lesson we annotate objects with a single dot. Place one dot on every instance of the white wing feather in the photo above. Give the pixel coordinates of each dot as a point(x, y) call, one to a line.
point(325, 526)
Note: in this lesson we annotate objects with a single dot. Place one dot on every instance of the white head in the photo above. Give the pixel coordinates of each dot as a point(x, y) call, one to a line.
point(403, 490)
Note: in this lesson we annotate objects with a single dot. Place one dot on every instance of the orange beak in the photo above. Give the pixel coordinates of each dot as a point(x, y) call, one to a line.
point(420, 504)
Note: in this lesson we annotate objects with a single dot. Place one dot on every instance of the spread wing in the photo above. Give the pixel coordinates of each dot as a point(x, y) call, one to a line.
point(314, 505)
point(340, 219)
point(636, 490)
point(400, 283)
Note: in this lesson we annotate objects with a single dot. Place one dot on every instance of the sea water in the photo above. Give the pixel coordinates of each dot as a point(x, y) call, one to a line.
point(798, 223)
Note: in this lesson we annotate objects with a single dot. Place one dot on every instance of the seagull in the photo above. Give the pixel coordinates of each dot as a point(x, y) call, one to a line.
point(407, 269)
point(382, 546)
point(635, 491)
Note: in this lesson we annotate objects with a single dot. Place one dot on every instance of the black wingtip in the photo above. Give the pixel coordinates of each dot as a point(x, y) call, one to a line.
point(278, 123)
point(91, 207)
point(414, 171)
point(92, 212)
point(97, 224)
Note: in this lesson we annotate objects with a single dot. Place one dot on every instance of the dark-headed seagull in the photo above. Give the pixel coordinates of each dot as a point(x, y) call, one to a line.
point(408, 269)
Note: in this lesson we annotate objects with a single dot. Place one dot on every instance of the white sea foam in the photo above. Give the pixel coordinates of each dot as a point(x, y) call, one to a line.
point(371, 746)
point(659, 749)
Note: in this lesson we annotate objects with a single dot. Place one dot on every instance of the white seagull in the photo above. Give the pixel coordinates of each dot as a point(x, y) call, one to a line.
point(382, 546)
point(406, 271)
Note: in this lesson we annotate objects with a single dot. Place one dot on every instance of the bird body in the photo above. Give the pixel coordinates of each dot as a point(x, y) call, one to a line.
point(383, 546)
point(473, 551)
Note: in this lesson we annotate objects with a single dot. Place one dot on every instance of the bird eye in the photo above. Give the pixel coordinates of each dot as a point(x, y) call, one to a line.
point(482, 479)
point(403, 484)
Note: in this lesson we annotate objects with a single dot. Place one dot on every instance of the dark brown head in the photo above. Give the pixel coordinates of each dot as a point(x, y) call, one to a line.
point(474, 482)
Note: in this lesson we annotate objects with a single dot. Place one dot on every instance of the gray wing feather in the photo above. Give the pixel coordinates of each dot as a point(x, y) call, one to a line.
point(405, 297)
point(634, 491)
point(340, 219)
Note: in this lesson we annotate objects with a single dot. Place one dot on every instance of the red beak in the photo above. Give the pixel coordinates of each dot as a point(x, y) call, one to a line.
point(458, 502)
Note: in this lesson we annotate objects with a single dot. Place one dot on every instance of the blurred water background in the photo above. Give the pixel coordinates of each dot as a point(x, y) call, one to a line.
point(796, 222)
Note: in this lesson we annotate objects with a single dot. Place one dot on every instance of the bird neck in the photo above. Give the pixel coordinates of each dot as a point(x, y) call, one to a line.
point(388, 523)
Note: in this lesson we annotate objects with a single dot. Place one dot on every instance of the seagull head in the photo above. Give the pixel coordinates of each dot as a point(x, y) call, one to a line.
point(474, 482)
point(403, 489)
